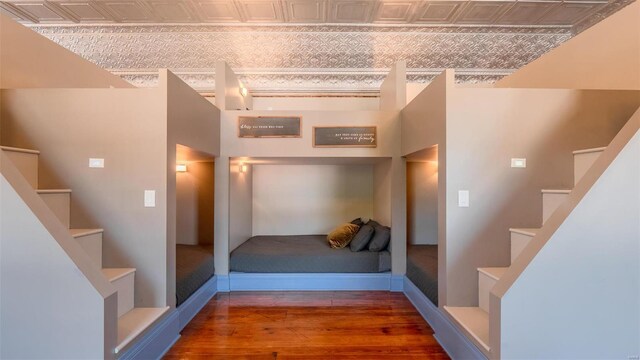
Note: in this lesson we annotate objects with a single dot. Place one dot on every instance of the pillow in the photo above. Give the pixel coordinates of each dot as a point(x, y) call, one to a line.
point(357, 221)
point(342, 235)
point(381, 238)
point(362, 238)
point(373, 224)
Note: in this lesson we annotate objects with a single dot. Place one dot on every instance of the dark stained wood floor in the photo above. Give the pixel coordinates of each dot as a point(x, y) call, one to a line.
point(308, 325)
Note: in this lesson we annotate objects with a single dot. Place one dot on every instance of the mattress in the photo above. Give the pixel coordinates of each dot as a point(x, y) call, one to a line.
point(422, 269)
point(194, 266)
point(304, 254)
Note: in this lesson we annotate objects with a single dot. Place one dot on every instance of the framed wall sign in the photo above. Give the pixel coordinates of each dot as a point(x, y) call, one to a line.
point(345, 136)
point(269, 126)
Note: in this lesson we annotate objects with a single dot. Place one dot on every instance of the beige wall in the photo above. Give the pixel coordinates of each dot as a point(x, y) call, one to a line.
point(234, 148)
point(194, 122)
point(422, 203)
point(382, 192)
point(487, 127)
point(477, 131)
point(393, 91)
point(317, 103)
point(126, 128)
point(76, 316)
point(586, 255)
point(240, 205)
point(605, 56)
point(194, 204)
point(136, 134)
point(228, 85)
point(424, 128)
point(309, 199)
point(29, 60)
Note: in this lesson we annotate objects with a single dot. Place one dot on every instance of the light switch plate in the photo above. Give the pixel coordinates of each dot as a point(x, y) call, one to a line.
point(149, 198)
point(96, 163)
point(463, 198)
point(518, 162)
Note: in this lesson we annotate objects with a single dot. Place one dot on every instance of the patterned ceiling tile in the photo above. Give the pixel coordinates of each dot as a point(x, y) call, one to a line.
point(321, 57)
point(345, 56)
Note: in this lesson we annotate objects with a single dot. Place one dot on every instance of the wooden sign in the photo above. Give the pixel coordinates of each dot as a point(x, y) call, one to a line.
point(269, 126)
point(345, 136)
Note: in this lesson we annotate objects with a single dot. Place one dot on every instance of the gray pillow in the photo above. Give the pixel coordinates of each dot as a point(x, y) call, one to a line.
point(357, 221)
point(381, 238)
point(362, 238)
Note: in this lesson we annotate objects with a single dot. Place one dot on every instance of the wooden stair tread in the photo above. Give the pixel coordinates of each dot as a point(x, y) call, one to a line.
point(474, 321)
point(493, 272)
point(525, 231)
point(53, 191)
point(592, 150)
point(114, 274)
point(15, 149)
point(76, 233)
point(134, 322)
point(555, 191)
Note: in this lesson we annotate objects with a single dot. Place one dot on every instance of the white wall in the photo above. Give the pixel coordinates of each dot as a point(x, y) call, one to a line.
point(586, 277)
point(422, 203)
point(309, 199)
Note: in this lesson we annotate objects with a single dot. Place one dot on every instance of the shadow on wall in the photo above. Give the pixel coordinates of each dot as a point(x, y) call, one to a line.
point(195, 178)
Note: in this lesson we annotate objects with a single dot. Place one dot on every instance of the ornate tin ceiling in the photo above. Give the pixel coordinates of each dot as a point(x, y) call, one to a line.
point(309, 45)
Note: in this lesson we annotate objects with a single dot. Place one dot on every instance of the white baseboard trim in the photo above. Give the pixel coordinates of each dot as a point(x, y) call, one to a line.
point(157, 341)
point(452, 340)
point(190, 308)
point(223, 283)
point(308, 282)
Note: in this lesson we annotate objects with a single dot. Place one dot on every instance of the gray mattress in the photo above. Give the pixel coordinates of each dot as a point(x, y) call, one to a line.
point(194, 266)
point(304, 254)
point(422, 269)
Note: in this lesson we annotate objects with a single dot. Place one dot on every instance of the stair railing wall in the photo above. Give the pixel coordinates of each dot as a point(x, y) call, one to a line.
point(59, 305)
point(581, 270)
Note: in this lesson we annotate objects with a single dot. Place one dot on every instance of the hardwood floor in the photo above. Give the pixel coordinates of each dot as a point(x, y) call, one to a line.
point(308, 325)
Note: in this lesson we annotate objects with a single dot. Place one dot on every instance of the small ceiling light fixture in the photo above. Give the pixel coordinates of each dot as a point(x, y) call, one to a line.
point(242, 168)
point(243, 91)
point(181, 168)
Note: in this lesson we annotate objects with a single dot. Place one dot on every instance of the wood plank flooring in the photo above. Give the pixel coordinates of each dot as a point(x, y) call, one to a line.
point(308, 325)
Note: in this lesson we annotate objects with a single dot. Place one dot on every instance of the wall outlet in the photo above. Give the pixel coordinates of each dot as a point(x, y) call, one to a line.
point(463, 198)
point(96, 163)
point(149, 198)
point(518, 163)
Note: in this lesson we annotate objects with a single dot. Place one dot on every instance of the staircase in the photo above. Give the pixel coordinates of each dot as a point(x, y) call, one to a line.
point(474, 321)
point(132, 321)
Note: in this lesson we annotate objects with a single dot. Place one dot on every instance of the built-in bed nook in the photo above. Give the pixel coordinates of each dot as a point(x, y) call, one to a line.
point(194, 229)
point(283, 209)
point(422, 221)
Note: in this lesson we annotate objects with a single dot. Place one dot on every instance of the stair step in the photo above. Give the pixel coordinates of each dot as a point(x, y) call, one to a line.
point(134, 323)
point(582, 161)
point(551, 200)
point(59, 201)
point(123, 280)
point(475, 323)
point(26, 161)
point(520, 237)
point(487, 278)
point(91, 242)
